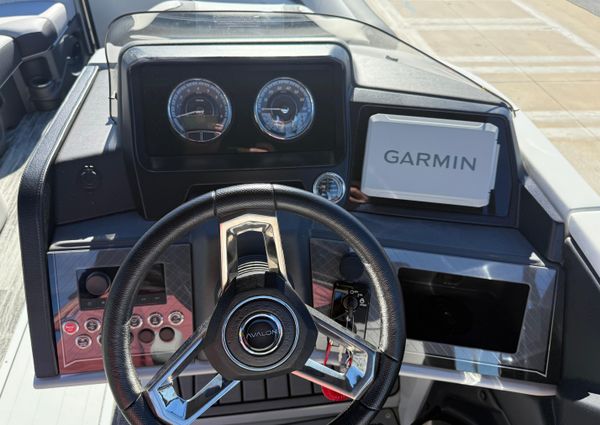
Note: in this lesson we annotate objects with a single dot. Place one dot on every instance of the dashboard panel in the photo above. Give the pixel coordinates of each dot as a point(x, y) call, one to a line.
point(461, 314)
point(161, 319)
point(182, 168)
point(494, 260)
point(245, 142)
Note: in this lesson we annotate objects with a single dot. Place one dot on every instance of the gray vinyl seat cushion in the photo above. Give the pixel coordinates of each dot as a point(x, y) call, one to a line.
point(34, 25)
point(9, 57)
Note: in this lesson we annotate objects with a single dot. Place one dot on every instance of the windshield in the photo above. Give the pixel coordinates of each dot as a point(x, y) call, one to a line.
point(227, 27)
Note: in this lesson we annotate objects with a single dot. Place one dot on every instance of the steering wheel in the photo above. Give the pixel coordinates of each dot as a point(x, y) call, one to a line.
point(260, 328)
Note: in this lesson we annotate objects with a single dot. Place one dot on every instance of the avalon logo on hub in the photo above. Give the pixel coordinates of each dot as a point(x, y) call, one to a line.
point(262, 333)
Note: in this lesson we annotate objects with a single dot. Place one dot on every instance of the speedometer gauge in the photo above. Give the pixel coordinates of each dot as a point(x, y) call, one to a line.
point(284, 109)
point(199, 110)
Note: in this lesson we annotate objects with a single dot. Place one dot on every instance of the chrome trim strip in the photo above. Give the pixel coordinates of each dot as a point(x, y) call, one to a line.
point(354, 380)
point(145, 374)
point(229, 230)
point(414, 371)
point(477, 380)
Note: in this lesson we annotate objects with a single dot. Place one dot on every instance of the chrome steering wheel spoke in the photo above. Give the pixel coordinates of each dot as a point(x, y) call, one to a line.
point(231, 229)
point(162, 395)
point(166, 402)
point(355, 365)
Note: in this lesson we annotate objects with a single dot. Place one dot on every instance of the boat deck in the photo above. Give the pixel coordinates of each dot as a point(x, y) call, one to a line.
point(20, 403)
point(21, 142)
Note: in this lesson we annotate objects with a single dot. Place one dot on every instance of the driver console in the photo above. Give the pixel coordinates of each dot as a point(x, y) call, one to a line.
point(479, 282)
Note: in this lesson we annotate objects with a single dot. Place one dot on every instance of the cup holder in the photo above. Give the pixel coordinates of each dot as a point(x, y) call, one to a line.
point(40, 83)
point(44, 92)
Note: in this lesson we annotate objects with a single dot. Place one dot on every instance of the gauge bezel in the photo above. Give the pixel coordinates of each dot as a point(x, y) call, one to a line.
point(268, 132)
point(229, 109)
point(334, 176)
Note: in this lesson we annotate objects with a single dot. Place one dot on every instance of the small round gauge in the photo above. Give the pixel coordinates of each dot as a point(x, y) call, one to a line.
point(284, 109)
point(199, 110)
point(330, 186)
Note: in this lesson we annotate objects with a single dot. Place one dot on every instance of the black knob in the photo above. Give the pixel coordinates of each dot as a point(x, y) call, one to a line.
point(97, 283)
point(167, 334)
point(89, 179)
point(350, 303)
point(351, 267)
point(146, 336)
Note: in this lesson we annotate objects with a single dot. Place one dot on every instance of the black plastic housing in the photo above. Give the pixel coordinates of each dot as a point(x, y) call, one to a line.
point(463, 311)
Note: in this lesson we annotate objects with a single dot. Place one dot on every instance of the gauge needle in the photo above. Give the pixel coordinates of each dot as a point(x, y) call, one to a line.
point(284, 110)
point(199, 112)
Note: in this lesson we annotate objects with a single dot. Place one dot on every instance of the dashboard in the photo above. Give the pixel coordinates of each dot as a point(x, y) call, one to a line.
point(259, 108)
point(479, 285)
point(232, 105)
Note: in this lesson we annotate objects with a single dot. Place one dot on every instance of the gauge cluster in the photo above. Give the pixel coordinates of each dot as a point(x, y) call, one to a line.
point(219, 115)
point(195, 118)
point(200, 111)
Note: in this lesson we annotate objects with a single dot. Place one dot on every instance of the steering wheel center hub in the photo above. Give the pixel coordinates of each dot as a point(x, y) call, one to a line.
point(261, 334)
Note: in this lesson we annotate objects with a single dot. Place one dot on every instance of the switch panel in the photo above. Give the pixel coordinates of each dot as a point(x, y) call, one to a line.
point(350, 306)
point(80, 283)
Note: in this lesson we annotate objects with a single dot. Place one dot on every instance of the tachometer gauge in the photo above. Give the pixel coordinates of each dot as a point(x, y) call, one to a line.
point(284, 109)
point(199, 110)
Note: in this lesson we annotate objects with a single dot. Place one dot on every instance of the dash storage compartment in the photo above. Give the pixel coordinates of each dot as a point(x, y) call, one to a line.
point(462, 310)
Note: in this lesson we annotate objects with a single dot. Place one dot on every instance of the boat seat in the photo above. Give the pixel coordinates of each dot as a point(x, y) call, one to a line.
point(34, 25)
point(9, 58)
point(9, 62)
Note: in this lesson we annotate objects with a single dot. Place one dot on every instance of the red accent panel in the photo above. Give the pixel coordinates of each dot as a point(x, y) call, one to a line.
point(73, 359)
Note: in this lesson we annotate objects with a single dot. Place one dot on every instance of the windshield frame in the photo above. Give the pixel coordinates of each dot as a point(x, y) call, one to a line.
point(457, 73)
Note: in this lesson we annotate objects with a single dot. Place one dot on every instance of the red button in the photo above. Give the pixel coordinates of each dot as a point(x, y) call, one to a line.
point(70, 328)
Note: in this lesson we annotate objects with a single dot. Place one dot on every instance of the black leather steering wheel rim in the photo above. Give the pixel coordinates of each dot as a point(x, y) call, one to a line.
point(120, 371)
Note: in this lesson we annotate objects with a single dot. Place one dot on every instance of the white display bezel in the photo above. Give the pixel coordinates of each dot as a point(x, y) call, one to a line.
point(430, 160)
